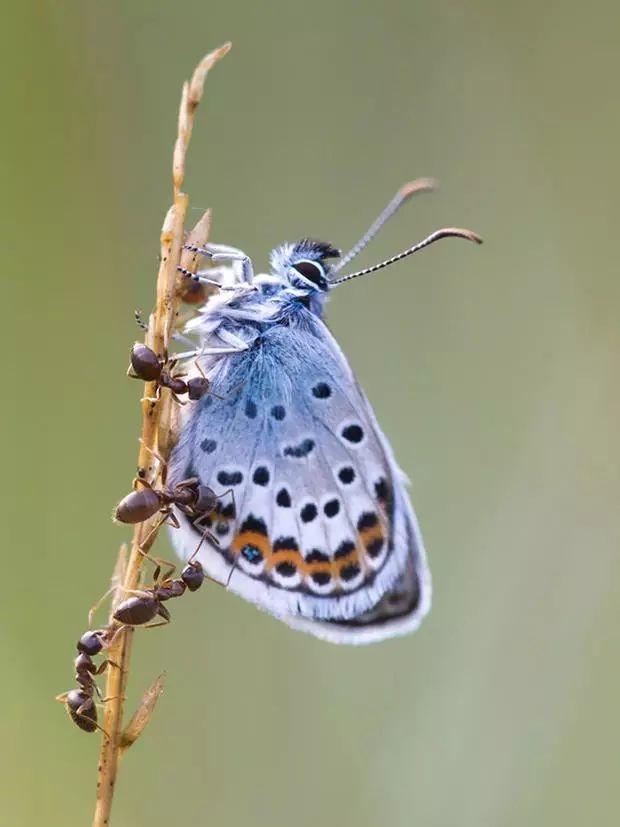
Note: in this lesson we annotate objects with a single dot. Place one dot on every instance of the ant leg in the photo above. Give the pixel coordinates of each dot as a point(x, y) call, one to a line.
point(122, 628)
point(230, 393)
point(138, 593)
point(155, 625)
point(117, 577)
point(173, 520)
point(153, 453)
point(79, 713)
point(169, 570)
point(232, 571)
point(142, 481)
point(231, 491)
point(199, 369)
point(94, 608)
point(103, 666)
point(153, 531)
point(159, 563)
point(205, 534)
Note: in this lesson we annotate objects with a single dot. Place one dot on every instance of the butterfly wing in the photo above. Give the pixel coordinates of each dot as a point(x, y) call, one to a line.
point(316, 526)
point(405, 603)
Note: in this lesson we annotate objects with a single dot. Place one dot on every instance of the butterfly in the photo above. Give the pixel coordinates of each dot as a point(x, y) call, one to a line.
point(313, 522)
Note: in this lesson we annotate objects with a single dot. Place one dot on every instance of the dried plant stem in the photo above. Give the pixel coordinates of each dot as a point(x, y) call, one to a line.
point(158, 433)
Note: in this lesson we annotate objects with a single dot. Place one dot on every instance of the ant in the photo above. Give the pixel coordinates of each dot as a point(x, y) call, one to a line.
point(80, 703)
point(146, 365)
point(189, 496)
point(146, 604)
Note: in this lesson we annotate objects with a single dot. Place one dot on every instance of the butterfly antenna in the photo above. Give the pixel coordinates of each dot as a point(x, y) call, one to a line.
point(403, 194)
point(446, 232)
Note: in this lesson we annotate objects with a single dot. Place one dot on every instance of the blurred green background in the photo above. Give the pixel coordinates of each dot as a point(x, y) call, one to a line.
point(494, 371)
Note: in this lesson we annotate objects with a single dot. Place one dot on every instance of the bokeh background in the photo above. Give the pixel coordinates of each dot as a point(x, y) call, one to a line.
point(494, 371)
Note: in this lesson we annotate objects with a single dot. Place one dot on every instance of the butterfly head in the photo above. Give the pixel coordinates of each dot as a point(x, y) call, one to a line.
point(305, 264)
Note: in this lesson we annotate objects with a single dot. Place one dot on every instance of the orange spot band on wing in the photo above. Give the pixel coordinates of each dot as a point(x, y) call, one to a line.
point(252, 538)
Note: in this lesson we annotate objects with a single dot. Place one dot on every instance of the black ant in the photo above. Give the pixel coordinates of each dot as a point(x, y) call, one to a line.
point(145, 604)
point(80, 703)
point(146, 365)
point(192, 498)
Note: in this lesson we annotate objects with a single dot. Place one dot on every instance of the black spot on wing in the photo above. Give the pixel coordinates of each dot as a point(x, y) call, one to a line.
point(285, 544)
point(317, 556)
point(381, 490)
point(284, 498)
point(353, 433)
point(252, 523)
point(331, 508)
point(346, 475)
point(349, 572)
point(261, 475)
point(368, 520)
point(322, 390)
point(374, 547)
point(308, 512)
point(305, 447)
point(229, 477)
point(346, 547)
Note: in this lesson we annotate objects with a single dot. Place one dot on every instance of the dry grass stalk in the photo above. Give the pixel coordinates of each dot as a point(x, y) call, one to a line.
point(143, 713)
point(158, 433)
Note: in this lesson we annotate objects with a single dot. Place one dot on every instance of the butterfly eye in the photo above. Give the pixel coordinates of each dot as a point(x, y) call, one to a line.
point(312, 271)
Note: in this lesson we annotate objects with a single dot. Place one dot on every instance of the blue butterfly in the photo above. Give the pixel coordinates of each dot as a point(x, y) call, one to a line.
point(314, 524)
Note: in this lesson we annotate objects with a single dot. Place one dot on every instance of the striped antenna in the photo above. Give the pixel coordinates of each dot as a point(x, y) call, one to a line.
point(446, 232)
point(403, 194)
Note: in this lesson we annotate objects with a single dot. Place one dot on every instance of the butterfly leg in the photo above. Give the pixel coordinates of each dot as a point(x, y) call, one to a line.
point(206, 276)
point(219, 252)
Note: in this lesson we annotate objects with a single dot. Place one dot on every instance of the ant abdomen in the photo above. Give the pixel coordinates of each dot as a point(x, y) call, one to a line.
point(82, 709)
point(140, 609)
point(138, 506)
point(145, 363)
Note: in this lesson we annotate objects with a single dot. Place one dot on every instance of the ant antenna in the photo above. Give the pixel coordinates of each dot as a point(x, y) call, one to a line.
point(403, 194)
point(446, 232)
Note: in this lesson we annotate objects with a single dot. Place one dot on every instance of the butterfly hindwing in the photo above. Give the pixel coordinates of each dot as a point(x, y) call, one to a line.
point(317, 524)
